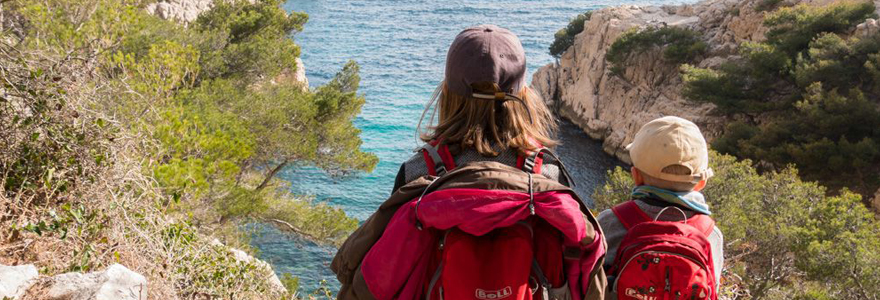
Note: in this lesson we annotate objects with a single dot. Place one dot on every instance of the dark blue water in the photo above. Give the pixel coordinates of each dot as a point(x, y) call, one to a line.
point(401, 47)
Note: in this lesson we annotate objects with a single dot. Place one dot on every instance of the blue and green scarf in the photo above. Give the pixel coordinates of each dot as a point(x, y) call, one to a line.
point(693, 200)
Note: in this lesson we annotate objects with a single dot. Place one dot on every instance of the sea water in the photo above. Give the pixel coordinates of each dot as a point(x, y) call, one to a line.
point(401, 48)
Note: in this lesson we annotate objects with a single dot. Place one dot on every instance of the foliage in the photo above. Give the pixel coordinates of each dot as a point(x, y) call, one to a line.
point(679, 45)
point(793, 28)
point(784, 238)
point(564, 38)
point(767, 5)
point(248, 41)
point(48, 149)
point(807, 96)
point(137, 140)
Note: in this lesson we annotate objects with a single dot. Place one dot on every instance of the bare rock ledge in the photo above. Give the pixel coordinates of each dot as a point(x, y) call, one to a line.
point(611, 108)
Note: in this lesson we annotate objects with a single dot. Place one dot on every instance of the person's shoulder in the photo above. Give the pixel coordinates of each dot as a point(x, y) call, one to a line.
point(414, 167)
point(415, 157)
point(606, 216)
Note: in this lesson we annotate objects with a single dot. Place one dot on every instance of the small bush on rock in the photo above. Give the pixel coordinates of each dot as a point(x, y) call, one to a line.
point(679, 45)
point(564, 38)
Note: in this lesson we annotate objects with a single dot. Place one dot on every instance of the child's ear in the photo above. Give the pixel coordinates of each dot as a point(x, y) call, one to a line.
point(700, 185)
point(637, 176)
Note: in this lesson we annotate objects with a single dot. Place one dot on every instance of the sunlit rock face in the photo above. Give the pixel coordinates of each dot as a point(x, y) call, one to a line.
point(612, 108)
point(180, 10)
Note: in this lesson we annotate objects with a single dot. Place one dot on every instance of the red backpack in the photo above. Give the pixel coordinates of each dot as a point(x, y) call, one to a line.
point(659, 260)
point(520, 262)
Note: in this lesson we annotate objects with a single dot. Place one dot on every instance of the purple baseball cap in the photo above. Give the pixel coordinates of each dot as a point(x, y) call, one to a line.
point(485, 53)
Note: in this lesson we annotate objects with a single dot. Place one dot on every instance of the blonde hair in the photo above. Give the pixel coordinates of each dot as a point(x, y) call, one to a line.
point(674, 186)
point(485, 124)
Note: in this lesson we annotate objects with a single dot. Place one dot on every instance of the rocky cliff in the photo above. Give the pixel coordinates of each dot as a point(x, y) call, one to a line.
point(612, 108)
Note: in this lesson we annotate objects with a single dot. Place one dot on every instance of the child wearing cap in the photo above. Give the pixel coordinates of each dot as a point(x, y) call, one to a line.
point(670, 167)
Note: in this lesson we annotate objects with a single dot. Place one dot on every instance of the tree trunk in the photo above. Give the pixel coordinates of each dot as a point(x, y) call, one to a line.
point(272, 174)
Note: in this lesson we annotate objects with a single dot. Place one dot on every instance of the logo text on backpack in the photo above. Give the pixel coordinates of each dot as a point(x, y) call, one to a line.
point(497, 294)
point(630, 292)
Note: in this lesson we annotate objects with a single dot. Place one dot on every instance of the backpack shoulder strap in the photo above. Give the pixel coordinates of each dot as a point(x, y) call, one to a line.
point(438, 159)
point(703, 223)
point(533, 162)
point(629, 214)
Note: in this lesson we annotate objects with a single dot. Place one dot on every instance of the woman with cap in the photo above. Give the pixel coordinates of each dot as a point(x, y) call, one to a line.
point(486, 110)
point(484, 154)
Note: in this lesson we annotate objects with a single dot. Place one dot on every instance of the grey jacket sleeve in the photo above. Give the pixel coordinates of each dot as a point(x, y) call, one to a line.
point(614, 233)
point(716, 241)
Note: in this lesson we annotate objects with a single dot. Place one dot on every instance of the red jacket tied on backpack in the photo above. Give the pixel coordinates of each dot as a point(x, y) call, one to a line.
point(483, 230)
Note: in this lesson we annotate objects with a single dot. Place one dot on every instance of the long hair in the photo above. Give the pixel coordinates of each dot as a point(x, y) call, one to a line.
point(489, 126)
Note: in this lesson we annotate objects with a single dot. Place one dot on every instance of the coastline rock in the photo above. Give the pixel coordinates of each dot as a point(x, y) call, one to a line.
point(300, 75)
point(581, 87)
point(114, 283)
point(244, 257)
point(184, 11)
point(14, 280)
point(869, 28)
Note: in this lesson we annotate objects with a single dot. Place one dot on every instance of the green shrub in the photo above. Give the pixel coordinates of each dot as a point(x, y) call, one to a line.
point(806, 96)
point(793, 28)
point(784, 238)
point(248, 41)
point(564, 38)
point(679, 45)
point(137, 140)
point(767, 5)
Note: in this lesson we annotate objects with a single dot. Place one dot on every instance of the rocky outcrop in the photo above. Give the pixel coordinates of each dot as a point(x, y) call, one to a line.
point(179, 10)
point(114, 283)
point(869, 28)
point(612, 108)
point(14, 280)
point(245, 258)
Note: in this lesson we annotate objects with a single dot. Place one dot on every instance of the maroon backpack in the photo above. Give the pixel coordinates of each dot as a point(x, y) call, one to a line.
point(660, 260)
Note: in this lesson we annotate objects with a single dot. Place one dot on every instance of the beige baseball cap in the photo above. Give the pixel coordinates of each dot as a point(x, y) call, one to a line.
point(671, 141)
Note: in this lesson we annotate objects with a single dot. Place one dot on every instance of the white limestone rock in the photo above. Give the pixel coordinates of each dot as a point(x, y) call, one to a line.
point(14, 280)
point(868, 29)
point(114, 283)
point(180, 10)
point(244, 257)
point(581, 87)
point(612, 108)
point(300, 75)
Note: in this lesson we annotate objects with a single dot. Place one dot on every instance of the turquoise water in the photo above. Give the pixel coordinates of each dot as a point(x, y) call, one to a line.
point(401, 47)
